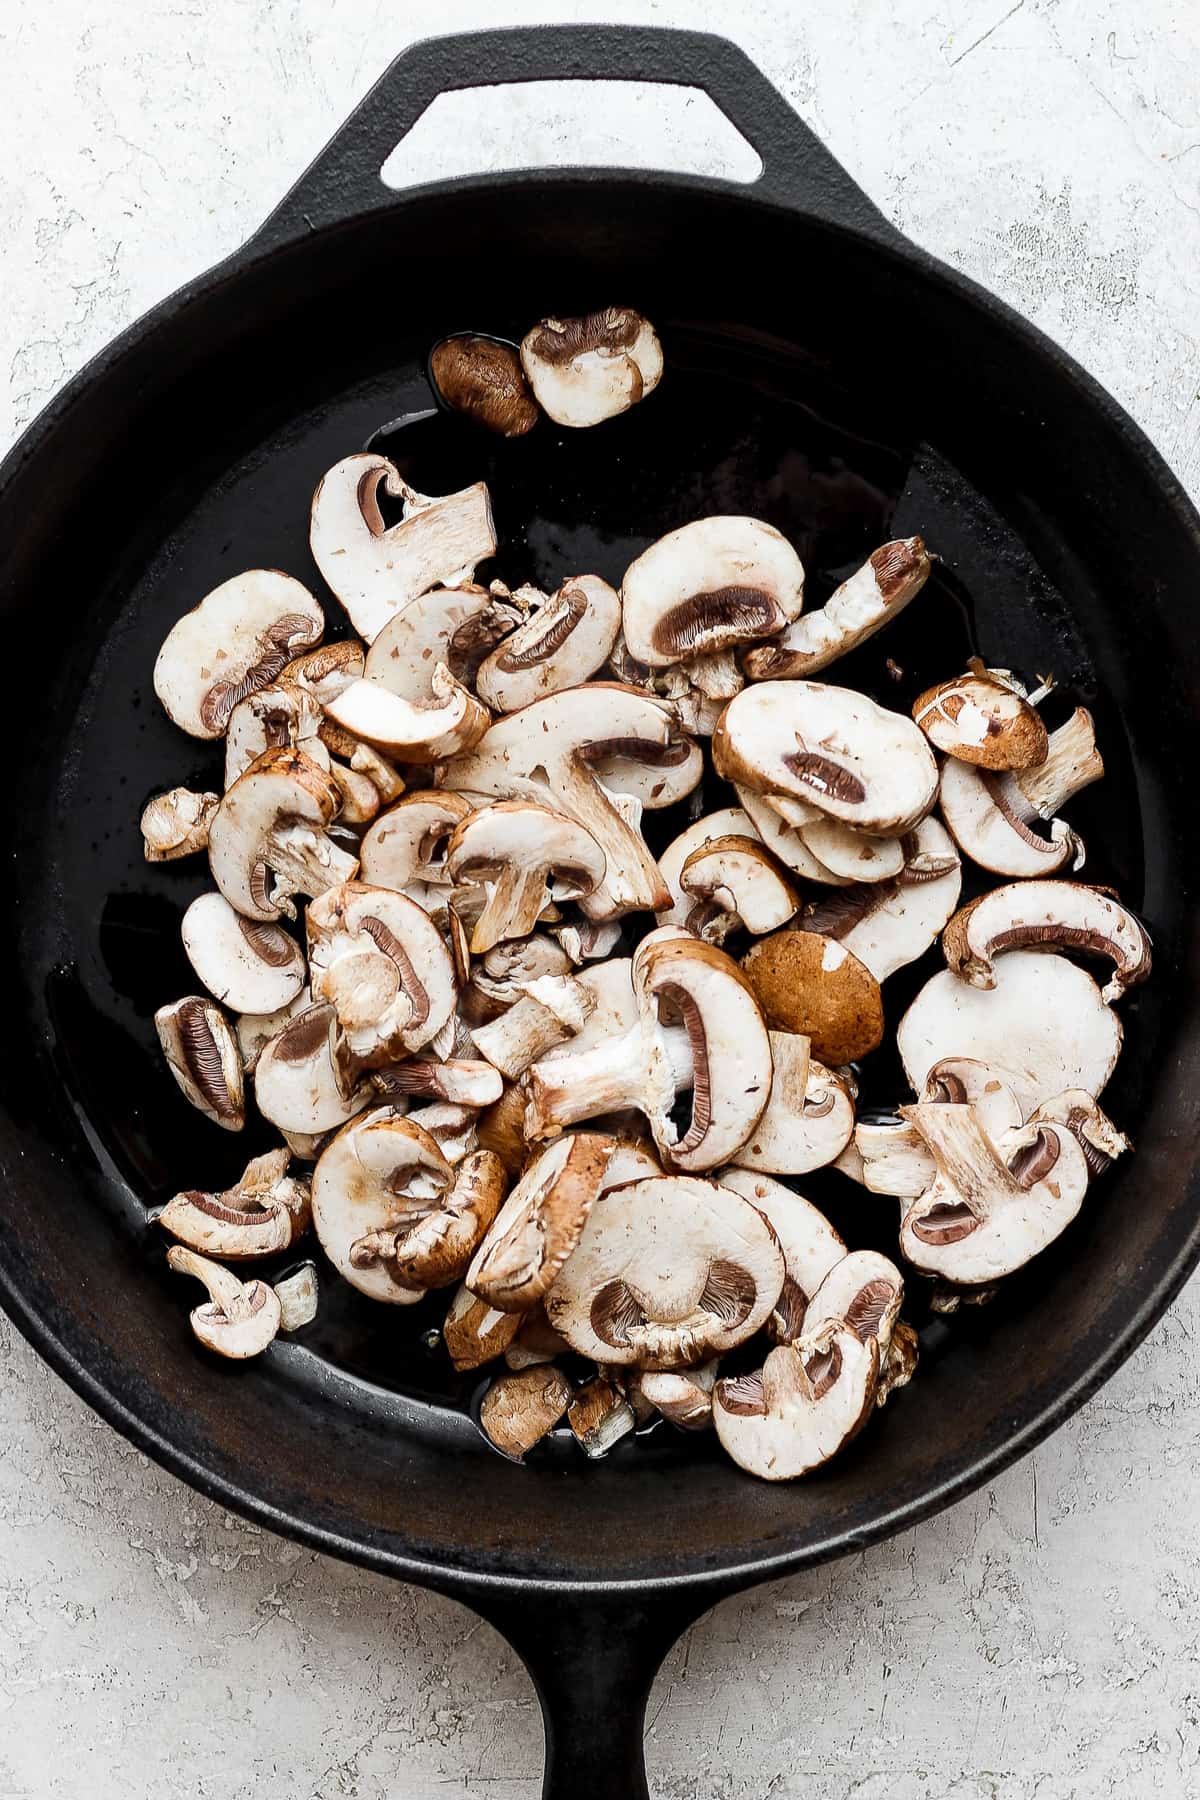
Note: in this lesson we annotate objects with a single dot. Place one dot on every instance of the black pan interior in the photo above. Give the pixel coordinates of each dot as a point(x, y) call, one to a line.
point(847, 401)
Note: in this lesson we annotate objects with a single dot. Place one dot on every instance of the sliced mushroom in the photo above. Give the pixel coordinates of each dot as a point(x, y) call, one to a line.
point(300, 1080)
point(176, 824)
point(810, 1245)
point(458, 1081)
point(730, 821)
point(871, 597)
point(298, 1294)
point(831, 746)
point(239, 1318)
point(864, 1292)
point(454, 626)
point(281, 715)
point(453, 1128)
point(376, 570)
point(482, 377)
point(894, 1158)
point(682, 1396)
point(236, 640)
point(804, 1405)
point(589, 940)
point(1093, 1130)
point(552, 1010)
point(378, 1180)
point(889, 924)
point(991, 1206)
point(536, 1342)
point(812, 984)
point(518, 1410)
point(1047, 915)
point(585, 370)
point(436, 1249)
point(737, 877)
point(809, 1117)
point(451, 721)
point(382, 964)
point(203, 1056)
point(264, 1212)
point(565, 639)
point(708, 586)
point(668, 1272)
point(326, 671)
point(405, 848)
point(847, 854)
point(981, 720)
point(599, 1416)
point(255, 1030)
point(993, 817)
point(525, 856)
point(540, 1223)
point(268, 838)
point(249, 965)
point(783, 839)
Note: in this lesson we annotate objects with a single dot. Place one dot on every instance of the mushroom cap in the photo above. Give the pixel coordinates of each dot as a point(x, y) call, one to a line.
point(236, 640)
point(451, 721)
point(1047, 915)
point(708, 585)
point(864, 1292)
point(262, 1214)
point(456, 626)
point(585, 370)
point(382, 963)
point(298, 1080)
point(887, 925)
point(982, 721)
point(871, 597)
point(737, 874)
point(378, 1179)
point(540, 1223)
point(804, 1405)
point(282, 792)
point(809, 1117)
point(247, 964)
point(203, 1056)
point(528, 854)
point(812, 984)
point(1043, 1027)
point(730, 820)
point(176, 824)
point(239, 1319)
point(811, 1247)
point(831, 746)
point(406, 844)
point(995, 826)
point(668, 1272)
point(565, 640)
point(482, 378)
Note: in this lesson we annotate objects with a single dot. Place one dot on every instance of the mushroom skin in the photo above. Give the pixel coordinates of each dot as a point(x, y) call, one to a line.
point(708, 586)
point(585, 370)
point(264, 1212)
point(249, 965)
point(268, 839)
point(239, 1319)
point(540, 1223)
point(374, 1183)
point(865, 602)
point(381, 963)
point(980, 720)
point(812, 984)
point(203, 1056)
point(482, 378)
point(669, 1272)
point(525, 856)
point(281, 715)
point(175, 824)
point(237, 639)
point(811, 1247)
point(519, 1409)
point(809, 1116)
point(566, 638)
point(889, 924)
point(1047, 915)
point(804, 1405)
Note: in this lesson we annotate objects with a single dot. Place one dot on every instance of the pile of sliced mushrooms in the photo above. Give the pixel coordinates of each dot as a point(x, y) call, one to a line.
point(428, 952)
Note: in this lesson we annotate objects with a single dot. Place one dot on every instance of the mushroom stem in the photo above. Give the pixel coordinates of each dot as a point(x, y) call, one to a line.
point(963, 1152)
point(308, 862)
point(552, 1010)
point(225, 1291)
point(1072, 763)
point(514, 905)
point(614, 1075)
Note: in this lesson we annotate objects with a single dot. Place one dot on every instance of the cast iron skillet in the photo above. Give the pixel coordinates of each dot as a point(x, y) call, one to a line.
point(821, 372)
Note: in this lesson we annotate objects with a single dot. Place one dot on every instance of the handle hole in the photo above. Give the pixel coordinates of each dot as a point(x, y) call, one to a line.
point(556, 124)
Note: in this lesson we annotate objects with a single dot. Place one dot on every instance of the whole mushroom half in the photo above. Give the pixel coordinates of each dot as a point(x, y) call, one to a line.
point(203, 1056)
point(380, 961)
point(263, 1213)
point(269, 840)
point(707, 587)
point(891, 577)
point(566, 638)
point(235, 641)
point(247, 964)
point(585, 370)
point(239, 1319)
point(1047, 915)
point(378, 1180)
point(804, 1405)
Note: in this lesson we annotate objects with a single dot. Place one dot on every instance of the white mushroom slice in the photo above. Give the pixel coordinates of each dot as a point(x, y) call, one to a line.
point(453, 1128)
point(713, 675)
point(709, 585)
point(374, 1183)
point(566, 639)
point(1044, 1026)
point(549, 753)
point(893, 1154)
point(254, 1031)
point(730, 821)
point(236, 640)
point(864, 1292)
point(980, 720)
point(239, 1319)
point(176, 824)
point(476, 1333)
point(634, 787)
point(279, 716)
point(268, 837)
point(203, 1056)
point(456, 626)
point(305, 1146)
point(266, 1211)
point(525, 856)
point(1093, 1130)
point(833, 747)
point(783, 840)
point(809, 1117)
point(589, 940)
point(810, 1245)
point(613, 1011)
point(552, 1010)
point(326, 671)
point(871, 597)
point(808, 983)
point(585, 370)
point(381, 962)
point(298, 1295)
point(518, 1410)
point(682, 1396)
point(804, 1405)
point(994, 817)
point(629, 1162)
point(299, 1080)
point(668, 1272)
point(889, 924)
point(376, 570)
point(247, 964)
point(599, 1416)
point(1047, 915)
point(847, 854)
point(736, 876)
point(460, 1082)
point(452, 720)
point(992, 1206)
point(540, 1223)
point(405, 848)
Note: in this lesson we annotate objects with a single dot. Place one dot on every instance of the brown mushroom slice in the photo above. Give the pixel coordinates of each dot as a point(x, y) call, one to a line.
point(518, 1410)
point(451, 721)
point(239, 1319)
point(540, 1223)
point(737, 876)
point(501, 1128)
point(809, 1117)
point(682, 1396)
point(298, 1294)
point(454, 626)
point(374, 1183)
point(804, 1405)
point(869, 599)
point(459, 1081)
point(536, 1342)
point(783, 839)
point(848, 854)
point(263, 1213)
point(1047, 915)
point(300, 1079)
point(1093, 1130)
point(978, 719)
point(566, 638)
point(812, 984)
point(247, 964)
point(599, 1416)
point(254, 1031)
point(729, 821)
point(237, 639)
point(991, 1207)
point(482, 378)
point(327, 671)
point(585, 370)
point(864, 1292)
point(994, 818)
point(552, 1010)
point(889, 924)
point(268, 839)
point(707, 586)
point(525, 856)
point(376, 570)
point(476, 1333)
point(381, 963)
point(175, 824)
point(437, 1249)
point(811, 1247)
point(405, 847)
point(668, 1272)
point(203, 1056)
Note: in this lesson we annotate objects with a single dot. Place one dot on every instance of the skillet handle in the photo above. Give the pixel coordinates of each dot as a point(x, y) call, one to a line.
point(593, 1659)
point(344, 181)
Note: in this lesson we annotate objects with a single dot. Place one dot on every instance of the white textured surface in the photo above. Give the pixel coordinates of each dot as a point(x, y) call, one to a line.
point(1036, 1643)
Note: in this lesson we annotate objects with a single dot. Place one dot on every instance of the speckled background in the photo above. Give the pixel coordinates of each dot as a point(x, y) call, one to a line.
point(1039, 1641)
